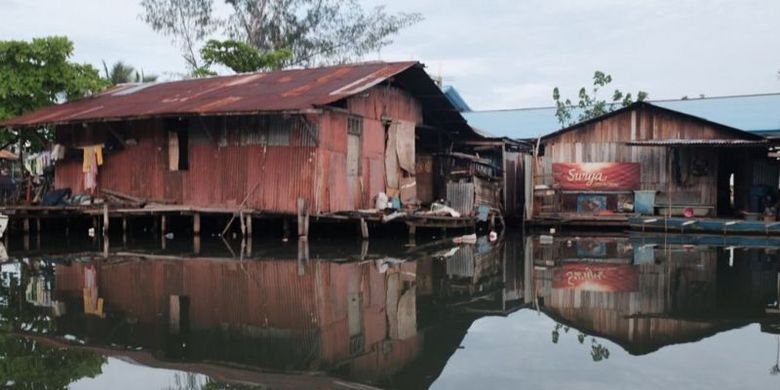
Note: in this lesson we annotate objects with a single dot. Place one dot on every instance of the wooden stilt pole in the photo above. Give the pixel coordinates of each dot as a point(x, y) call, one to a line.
point(105, 220)
point(285, 229)
point(248, 225)
point(363, 228)
point(196, 224)
point(124, 231)
point(26, 226)
point(196, 244)
point(303, 219)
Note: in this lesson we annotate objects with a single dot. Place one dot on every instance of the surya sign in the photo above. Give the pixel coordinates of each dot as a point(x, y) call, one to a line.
point(596, 277)
point(597, 176)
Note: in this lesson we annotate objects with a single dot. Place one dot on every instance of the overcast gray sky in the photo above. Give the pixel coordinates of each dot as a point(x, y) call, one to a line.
point(499, 54)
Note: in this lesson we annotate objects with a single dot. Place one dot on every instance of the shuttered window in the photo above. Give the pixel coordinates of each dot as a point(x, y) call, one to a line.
point(354, 145)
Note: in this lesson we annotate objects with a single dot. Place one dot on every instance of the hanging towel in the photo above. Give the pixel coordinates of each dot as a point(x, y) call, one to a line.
point(87, 164)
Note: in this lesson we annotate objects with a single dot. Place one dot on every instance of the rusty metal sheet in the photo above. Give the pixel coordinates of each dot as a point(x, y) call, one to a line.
point(461, 197)
point(288, 90)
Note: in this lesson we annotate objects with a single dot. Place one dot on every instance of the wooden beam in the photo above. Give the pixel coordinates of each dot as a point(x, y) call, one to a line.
point(117, 136)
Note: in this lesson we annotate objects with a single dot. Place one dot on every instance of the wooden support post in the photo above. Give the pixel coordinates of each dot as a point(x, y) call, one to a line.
point(364, 228)
point(196, 224)
point(26, 226)
point(248, 225)
point(303, 255)
point(196, 244)
point(94, 229)
point(38, 226)
point(67, 226)
point(285, 229)
point(124, 231)
point(303, 218)
point(412, 235)
point(105, 220)
point(163, 230)
point(26, 240)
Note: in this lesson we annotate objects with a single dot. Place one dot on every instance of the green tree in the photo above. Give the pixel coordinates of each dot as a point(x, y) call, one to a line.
point(240, 57)
point(121, 73)
point(589, 104)
point(315, 31)
point(39, 73)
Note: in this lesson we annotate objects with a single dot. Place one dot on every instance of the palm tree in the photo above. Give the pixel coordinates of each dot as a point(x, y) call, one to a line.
point(121, 73)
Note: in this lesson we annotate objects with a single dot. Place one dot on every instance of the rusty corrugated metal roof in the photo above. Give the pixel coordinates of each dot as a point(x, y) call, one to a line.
point(289, 90)
point(700, 142)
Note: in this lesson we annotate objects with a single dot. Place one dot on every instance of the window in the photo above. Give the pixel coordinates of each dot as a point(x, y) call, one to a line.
point(178, 146)
point(354, 145)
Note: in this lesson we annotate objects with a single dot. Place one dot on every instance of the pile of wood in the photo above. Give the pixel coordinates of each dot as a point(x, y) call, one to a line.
point(121, 199)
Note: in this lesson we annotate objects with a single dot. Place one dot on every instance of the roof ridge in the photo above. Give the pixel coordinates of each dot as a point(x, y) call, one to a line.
point(747, 95)
point(220, 76)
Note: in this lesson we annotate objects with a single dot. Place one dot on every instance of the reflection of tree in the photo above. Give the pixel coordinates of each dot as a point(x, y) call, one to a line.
point(226, 386)
point(598, 352)
point(29, 364)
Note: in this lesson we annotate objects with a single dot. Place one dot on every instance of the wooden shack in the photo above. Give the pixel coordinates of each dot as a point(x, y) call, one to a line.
point(324, 139)
point(649, 160)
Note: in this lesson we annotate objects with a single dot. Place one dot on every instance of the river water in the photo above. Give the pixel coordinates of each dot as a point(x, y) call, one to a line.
point(609, 311)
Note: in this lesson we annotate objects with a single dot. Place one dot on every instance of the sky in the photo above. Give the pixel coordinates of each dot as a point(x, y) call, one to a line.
point(498, 54)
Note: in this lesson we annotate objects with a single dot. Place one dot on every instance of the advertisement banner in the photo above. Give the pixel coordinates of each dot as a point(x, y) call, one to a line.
point(596, 277)
point(597, 176)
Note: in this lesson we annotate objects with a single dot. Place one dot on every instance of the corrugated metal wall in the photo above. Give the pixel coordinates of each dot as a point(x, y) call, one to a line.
point(461, 197)
point(270, 160)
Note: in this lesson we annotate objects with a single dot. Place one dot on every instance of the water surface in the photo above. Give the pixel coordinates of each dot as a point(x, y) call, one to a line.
point(598, 311)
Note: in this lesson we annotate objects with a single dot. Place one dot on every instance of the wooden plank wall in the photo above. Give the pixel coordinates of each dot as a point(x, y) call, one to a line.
point(604, 141)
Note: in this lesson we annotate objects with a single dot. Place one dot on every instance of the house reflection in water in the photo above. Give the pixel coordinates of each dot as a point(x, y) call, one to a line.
point(351, 315)
point(648, 292)
point(388, 315)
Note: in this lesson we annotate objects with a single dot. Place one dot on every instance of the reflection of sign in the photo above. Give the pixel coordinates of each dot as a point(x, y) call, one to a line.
point(596, 277)
point(597, 176)
point(591, 203)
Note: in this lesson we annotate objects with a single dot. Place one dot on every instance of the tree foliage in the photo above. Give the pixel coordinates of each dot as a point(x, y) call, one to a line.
point(187, 22)
point(38, 73)
point(29, 364)
point(121, 73)
point(240, 57)
point(314, 31)
point(589, 105)
point(317, 31)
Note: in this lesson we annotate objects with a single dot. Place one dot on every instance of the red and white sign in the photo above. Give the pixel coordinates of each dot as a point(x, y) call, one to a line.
point(596, 277)
point(597, 176)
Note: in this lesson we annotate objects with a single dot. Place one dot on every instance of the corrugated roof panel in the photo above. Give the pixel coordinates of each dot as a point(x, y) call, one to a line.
point(753, 113)
point(297, 89)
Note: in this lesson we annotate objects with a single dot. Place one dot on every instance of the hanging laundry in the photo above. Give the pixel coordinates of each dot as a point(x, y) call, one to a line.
point(93, 157)
point(58, 152)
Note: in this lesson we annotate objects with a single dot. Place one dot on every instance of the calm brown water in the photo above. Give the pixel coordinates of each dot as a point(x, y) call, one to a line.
point(580, 312)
